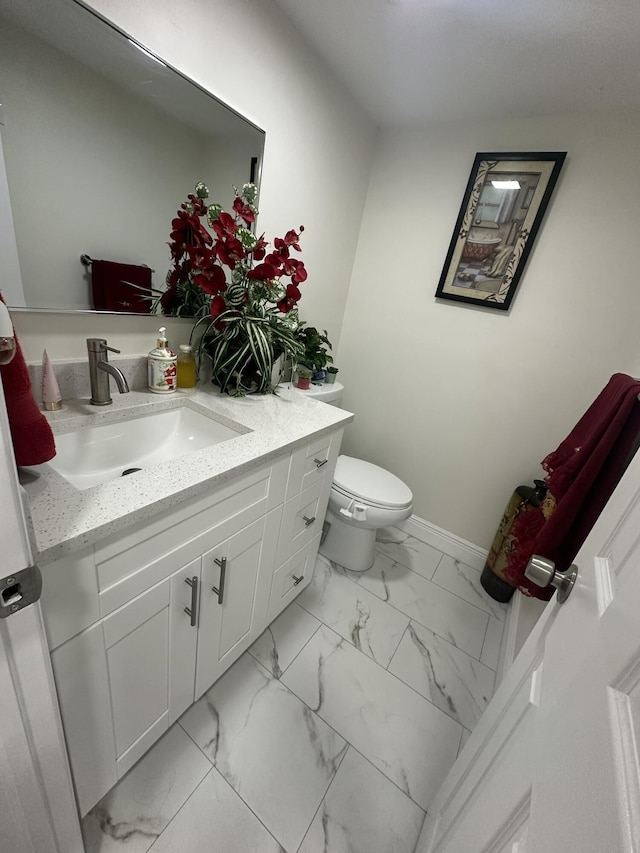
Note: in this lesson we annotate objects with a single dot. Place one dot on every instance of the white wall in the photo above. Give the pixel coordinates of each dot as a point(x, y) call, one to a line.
point(463, 402)
point(317, 157)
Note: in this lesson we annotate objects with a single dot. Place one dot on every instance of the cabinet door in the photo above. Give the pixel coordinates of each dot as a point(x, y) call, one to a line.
point(151, 649)
point(229, 580)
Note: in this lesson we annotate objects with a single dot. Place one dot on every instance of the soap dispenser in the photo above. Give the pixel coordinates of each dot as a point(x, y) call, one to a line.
point(162, 367)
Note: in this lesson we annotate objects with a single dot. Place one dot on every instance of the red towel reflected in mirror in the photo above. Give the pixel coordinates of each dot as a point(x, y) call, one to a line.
point(121, 287)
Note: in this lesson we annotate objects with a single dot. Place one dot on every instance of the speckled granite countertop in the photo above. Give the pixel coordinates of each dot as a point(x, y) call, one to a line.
point(63, 518)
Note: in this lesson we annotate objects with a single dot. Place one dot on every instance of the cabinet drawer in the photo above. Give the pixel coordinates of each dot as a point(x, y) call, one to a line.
point(292, 577)
point(302, 519)
point(311, 463)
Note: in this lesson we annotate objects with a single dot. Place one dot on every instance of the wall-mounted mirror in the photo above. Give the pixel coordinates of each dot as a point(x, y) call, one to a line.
point(102, 143)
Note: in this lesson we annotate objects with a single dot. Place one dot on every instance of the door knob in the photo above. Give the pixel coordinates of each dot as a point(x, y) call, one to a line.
point(543, 573)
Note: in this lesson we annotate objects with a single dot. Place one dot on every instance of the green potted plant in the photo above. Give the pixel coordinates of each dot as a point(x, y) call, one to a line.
point(303, 377)
point(330, 378)
point(316, 350)
point(244, 293)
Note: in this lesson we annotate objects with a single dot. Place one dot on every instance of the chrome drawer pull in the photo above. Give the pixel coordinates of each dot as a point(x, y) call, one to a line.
point(296, 580)
point(308, 521)
point(193, 610)
point(320, 462)
point(219, 591)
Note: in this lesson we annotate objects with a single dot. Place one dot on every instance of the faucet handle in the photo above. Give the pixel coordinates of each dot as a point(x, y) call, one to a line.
point(99, 345)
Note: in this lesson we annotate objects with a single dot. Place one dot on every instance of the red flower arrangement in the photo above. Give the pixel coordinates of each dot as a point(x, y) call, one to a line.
point(227, 278)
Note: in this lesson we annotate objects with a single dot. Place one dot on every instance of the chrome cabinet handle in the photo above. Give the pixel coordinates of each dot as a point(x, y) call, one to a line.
point(543, 573)
point(308, 521)
point(219, 590)
point(193, 610)
point(320, 462)
point(296, 580)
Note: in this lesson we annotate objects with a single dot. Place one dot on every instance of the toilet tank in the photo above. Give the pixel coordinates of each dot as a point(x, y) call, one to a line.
point(331, 394)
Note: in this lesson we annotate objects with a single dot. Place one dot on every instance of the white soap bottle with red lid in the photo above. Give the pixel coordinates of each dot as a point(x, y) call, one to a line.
point(162, 367)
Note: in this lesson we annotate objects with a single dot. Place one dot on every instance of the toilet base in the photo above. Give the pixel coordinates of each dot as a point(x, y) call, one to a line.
point(349, 546)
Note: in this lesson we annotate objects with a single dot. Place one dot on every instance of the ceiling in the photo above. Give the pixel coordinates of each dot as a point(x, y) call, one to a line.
point(413, 62)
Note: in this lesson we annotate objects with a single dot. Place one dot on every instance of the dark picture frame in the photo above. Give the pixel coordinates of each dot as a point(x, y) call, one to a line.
point(502, 210)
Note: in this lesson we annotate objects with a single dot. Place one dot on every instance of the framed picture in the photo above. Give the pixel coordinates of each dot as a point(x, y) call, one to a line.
point(501, 212)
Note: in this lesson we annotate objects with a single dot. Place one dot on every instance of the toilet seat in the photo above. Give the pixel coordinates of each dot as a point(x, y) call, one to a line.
point(358, 480)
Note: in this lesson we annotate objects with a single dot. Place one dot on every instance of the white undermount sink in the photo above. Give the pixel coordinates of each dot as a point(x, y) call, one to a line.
point(93, 455)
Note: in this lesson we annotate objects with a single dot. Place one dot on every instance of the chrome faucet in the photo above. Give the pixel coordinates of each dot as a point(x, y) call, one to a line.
point(99, 370)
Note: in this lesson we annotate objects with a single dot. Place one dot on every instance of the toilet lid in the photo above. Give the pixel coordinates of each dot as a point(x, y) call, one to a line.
point(372, 484)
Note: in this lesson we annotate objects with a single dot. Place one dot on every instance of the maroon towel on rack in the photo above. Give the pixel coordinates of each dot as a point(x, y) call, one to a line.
point(121, 287)
point(30, 431)
point(582, 475)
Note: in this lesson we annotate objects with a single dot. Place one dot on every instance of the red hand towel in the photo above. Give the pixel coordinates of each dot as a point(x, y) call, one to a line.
point(30, 432)
point(582, 475)
point(121, 287)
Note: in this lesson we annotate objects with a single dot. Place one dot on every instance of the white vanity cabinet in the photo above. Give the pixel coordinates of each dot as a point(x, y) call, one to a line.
point(143, 623)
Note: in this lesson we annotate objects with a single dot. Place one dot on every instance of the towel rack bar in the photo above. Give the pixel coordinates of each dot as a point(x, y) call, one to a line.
point(87, 260)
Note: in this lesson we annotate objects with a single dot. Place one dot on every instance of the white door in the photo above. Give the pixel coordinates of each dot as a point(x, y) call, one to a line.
point(553, 766)
point(37, 808)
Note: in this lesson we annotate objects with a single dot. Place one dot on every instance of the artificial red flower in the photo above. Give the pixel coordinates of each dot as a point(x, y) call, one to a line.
point(291, 238)
point(274, 260)
point(293, 292)
point(281, 247)
point(300, 274)
point(259, 248)
point(170, 299)
point(243, 210)
point(229, 251)
point(217, 307)
point(224, 225)
point(295, 269)
point(264, 271)
point(291, 298)
point(187, 232)
point(200, 257)
point(212, 280)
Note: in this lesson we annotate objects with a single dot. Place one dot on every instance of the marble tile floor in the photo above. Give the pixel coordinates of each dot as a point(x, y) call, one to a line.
point(334, 730)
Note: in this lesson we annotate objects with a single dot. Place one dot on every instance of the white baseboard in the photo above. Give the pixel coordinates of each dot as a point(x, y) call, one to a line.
point(523, 612)
point(444, 541)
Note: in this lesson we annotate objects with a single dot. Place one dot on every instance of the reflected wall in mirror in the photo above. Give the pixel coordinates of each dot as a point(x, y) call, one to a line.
point(102, 143)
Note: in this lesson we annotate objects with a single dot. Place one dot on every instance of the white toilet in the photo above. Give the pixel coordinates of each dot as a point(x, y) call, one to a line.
point(364, 497)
